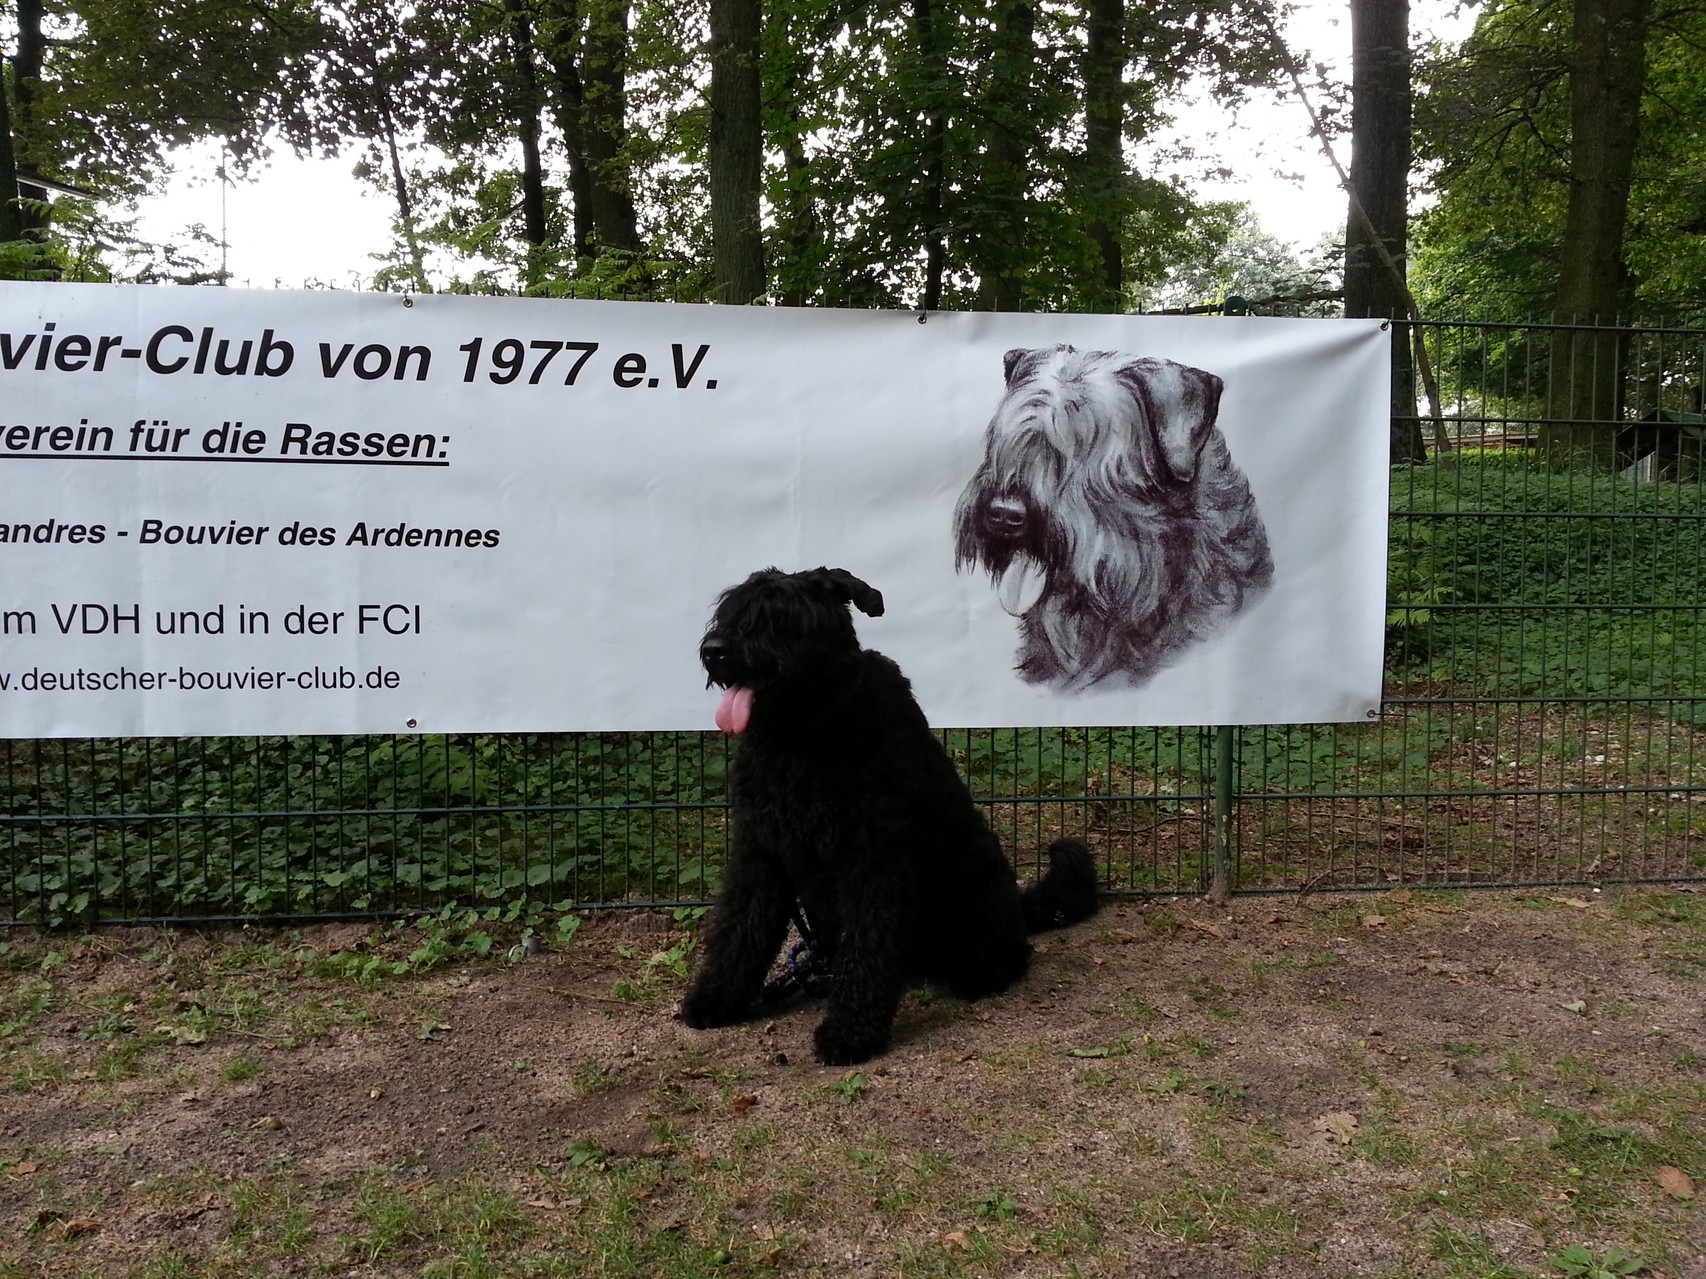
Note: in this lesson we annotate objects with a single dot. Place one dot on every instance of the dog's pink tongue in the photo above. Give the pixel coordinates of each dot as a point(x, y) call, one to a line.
point(734, 710)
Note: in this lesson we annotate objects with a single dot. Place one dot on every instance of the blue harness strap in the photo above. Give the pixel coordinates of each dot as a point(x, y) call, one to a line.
point(805, 966)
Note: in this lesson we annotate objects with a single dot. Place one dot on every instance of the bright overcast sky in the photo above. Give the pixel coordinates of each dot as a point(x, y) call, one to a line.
point(310, 220)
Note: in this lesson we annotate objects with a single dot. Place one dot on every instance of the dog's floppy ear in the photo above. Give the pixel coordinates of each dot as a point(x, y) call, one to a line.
point(850, 590)
point(1181, 403)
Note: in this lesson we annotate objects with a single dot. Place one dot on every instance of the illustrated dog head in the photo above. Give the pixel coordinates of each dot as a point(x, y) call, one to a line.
point(778, 627)
point(1110, 515)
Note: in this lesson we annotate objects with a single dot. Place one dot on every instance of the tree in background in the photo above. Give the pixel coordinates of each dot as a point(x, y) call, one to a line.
point(735, 151)
point(1376, 231)
point(1494, 121)
point(1572, 183)
point(97, 93)
point(1225, 254)
point(921, 152)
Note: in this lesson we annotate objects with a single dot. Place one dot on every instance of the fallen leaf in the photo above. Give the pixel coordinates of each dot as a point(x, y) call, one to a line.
point(1340, 1125)
point(1102, 1051)
point(374, 1094)
point(1575, 902)
point(24, 1169)
point(1203, 926)
point(268, 1121)
point(742, 1102)
point(1399, 895)
point(1577, 1006)
point(959, 1238)
point(74, 1226)
point(1674, 1182)
point(1373, 921)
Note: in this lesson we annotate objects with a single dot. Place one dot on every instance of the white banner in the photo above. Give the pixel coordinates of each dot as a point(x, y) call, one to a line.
point(276, 512)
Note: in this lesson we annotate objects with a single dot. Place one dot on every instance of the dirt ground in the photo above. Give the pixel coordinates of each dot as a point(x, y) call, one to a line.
point(1409, 1084)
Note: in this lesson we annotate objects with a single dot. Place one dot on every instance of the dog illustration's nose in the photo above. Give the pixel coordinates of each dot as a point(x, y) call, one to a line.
point(1004, 517)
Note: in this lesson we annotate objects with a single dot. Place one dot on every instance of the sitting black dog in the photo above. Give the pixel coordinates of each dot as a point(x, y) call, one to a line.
point(846, 807)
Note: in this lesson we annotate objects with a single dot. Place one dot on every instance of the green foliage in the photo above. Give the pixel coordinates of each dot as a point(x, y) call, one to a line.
point(1542, 605)
point(258, 826)
point(1493, 122)
point(849, 1088)
point(1581, 1262)
point(1222, 252)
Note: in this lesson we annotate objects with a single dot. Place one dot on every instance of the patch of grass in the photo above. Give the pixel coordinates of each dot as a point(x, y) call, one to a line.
point(243, 1066)
point(124, 1058)
point(272, 1216)
point(1469, 1254)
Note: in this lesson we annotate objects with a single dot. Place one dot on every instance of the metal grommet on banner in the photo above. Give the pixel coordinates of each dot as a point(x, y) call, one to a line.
point(924, 317)
point(1385, 326)
point(407, 300)
point(410, 723)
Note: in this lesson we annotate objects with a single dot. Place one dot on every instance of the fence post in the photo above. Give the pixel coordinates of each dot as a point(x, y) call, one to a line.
point(1224, 881)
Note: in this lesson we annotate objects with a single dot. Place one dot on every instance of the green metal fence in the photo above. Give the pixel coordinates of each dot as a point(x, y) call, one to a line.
point(1544, 720)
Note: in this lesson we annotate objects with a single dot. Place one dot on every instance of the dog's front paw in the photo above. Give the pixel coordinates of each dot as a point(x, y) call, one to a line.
point(703, 1011)
point(837, 1045)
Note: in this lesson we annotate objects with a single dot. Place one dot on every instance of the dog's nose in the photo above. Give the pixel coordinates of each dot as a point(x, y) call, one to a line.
point(711, 649)
point(1004, 517)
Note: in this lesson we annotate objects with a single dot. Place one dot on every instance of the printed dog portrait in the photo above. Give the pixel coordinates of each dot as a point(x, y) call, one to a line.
point(1111, 516)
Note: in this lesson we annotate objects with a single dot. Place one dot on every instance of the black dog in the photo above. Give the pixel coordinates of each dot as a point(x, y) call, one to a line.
point(845, 804)
point(1110, 514)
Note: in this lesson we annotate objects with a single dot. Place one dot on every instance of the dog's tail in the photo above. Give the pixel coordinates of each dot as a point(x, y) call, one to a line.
point(1065, 893)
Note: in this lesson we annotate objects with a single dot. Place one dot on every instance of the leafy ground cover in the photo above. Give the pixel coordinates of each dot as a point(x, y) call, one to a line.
point(1482, 1086)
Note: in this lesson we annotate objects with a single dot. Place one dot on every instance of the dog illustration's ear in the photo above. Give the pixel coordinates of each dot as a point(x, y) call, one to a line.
point(1018, 363)
point(850, 590)
point(1181, 404)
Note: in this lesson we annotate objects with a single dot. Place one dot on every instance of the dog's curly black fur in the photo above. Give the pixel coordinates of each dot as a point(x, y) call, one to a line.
point(845, 803)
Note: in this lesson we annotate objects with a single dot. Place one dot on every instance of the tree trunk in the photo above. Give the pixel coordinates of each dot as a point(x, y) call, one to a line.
point(1607, 78)
point(604, 71)
point(1376, 234)
point(589, 69)
point(1002, 235)
point(559, 41)
point(11, 224)
point(26, 71)
point(1104, 139)
point(931, 203)
point(534, 208)
point(736, 152)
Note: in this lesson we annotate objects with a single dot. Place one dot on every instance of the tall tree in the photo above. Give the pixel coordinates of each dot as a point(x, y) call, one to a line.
point(1104, 171)
point(1494, 125)
point(999, 235)
point(587, 44)
point(1607, 79)
point(735, 155)
point(1376, 232)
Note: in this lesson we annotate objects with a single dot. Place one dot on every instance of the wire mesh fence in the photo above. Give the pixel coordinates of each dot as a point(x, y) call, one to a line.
point(1544, 718)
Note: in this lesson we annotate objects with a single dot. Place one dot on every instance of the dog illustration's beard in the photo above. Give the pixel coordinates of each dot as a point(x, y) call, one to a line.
point(1110, 515)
